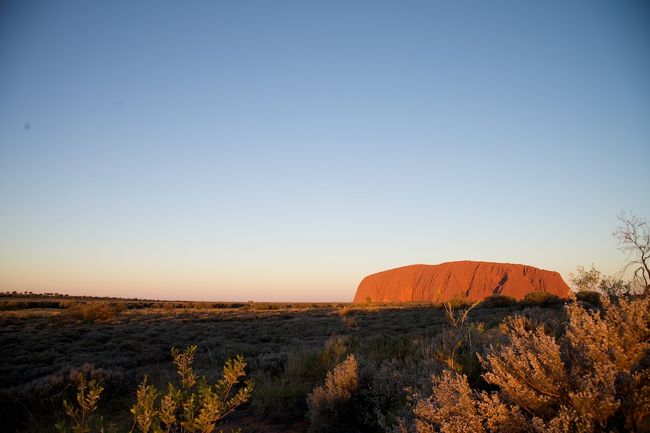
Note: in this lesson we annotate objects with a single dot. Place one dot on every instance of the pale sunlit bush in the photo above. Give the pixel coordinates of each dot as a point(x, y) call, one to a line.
point(331, 404)
point(592, 378)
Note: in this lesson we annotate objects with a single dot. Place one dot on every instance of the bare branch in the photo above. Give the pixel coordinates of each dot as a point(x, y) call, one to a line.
point(633, 237)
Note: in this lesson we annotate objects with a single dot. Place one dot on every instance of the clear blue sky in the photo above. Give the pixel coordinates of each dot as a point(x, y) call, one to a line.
point(283, 150)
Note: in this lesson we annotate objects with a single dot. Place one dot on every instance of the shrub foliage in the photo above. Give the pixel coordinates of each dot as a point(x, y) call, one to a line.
point(195, 406)
point(93, 311)
point(592, 378)
point(331, 404)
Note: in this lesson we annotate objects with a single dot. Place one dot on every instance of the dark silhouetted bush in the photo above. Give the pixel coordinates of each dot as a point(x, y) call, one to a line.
point(589, 296)
point(498, 301)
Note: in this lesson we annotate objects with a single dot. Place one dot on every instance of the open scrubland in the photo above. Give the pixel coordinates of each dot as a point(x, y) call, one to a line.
point(537, 365)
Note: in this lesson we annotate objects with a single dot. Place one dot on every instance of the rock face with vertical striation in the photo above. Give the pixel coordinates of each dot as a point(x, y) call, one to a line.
point(474, 280)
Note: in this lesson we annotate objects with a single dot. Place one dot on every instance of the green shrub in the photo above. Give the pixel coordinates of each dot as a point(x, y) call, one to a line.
point(195, 406)
point(592, 280)
point(82, 415)
point(540, 298)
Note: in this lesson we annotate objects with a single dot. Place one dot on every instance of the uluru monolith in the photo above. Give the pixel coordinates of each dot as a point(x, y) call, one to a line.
point(470, 279)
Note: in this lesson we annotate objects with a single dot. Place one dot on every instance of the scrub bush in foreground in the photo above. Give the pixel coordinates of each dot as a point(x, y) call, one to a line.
point(594, 377)
point(195, 406)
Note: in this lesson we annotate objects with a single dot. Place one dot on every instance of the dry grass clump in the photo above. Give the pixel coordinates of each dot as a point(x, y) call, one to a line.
point(94, 311)
point(592, 378)
point(460, 340)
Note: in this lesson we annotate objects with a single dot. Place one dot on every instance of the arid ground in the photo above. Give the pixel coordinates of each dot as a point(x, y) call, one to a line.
point(539, 364)
point(43, 347)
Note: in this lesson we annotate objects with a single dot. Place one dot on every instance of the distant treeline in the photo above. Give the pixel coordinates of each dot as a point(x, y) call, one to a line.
point(10, 301)
point(28, 294)
point(60, 300)
point(127, 304)
point(23, 301)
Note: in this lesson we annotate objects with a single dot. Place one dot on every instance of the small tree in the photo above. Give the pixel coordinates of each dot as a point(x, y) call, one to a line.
point(592, 280)
point(586, 279)
point(633, 237)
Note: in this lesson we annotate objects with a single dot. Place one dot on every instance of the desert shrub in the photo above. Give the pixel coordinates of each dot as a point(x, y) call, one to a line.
point(351, 323)
point(359, 395)
point(134, 305)
point(592, 280)
point(459, 340)
point(333, 351)
point(589, 296)
point(498, 301)
point(13, 305)
point(458, 301)
point(82, 414)
point(93, 311)
point(457, 349)
point(593, 378)
point(332, 405)
point(381, 398)
point(366, 393)
point(382, 346)
point(21, 305)
point(283, 396)
point(345, 310)
point(451, 408)
point(195, 406)
point(40, 399)
point(540, 298)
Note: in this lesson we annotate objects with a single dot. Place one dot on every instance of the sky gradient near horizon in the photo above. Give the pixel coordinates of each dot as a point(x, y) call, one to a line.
point(279, 151)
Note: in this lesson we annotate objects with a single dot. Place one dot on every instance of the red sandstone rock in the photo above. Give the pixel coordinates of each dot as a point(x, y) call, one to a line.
point(474, 280)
